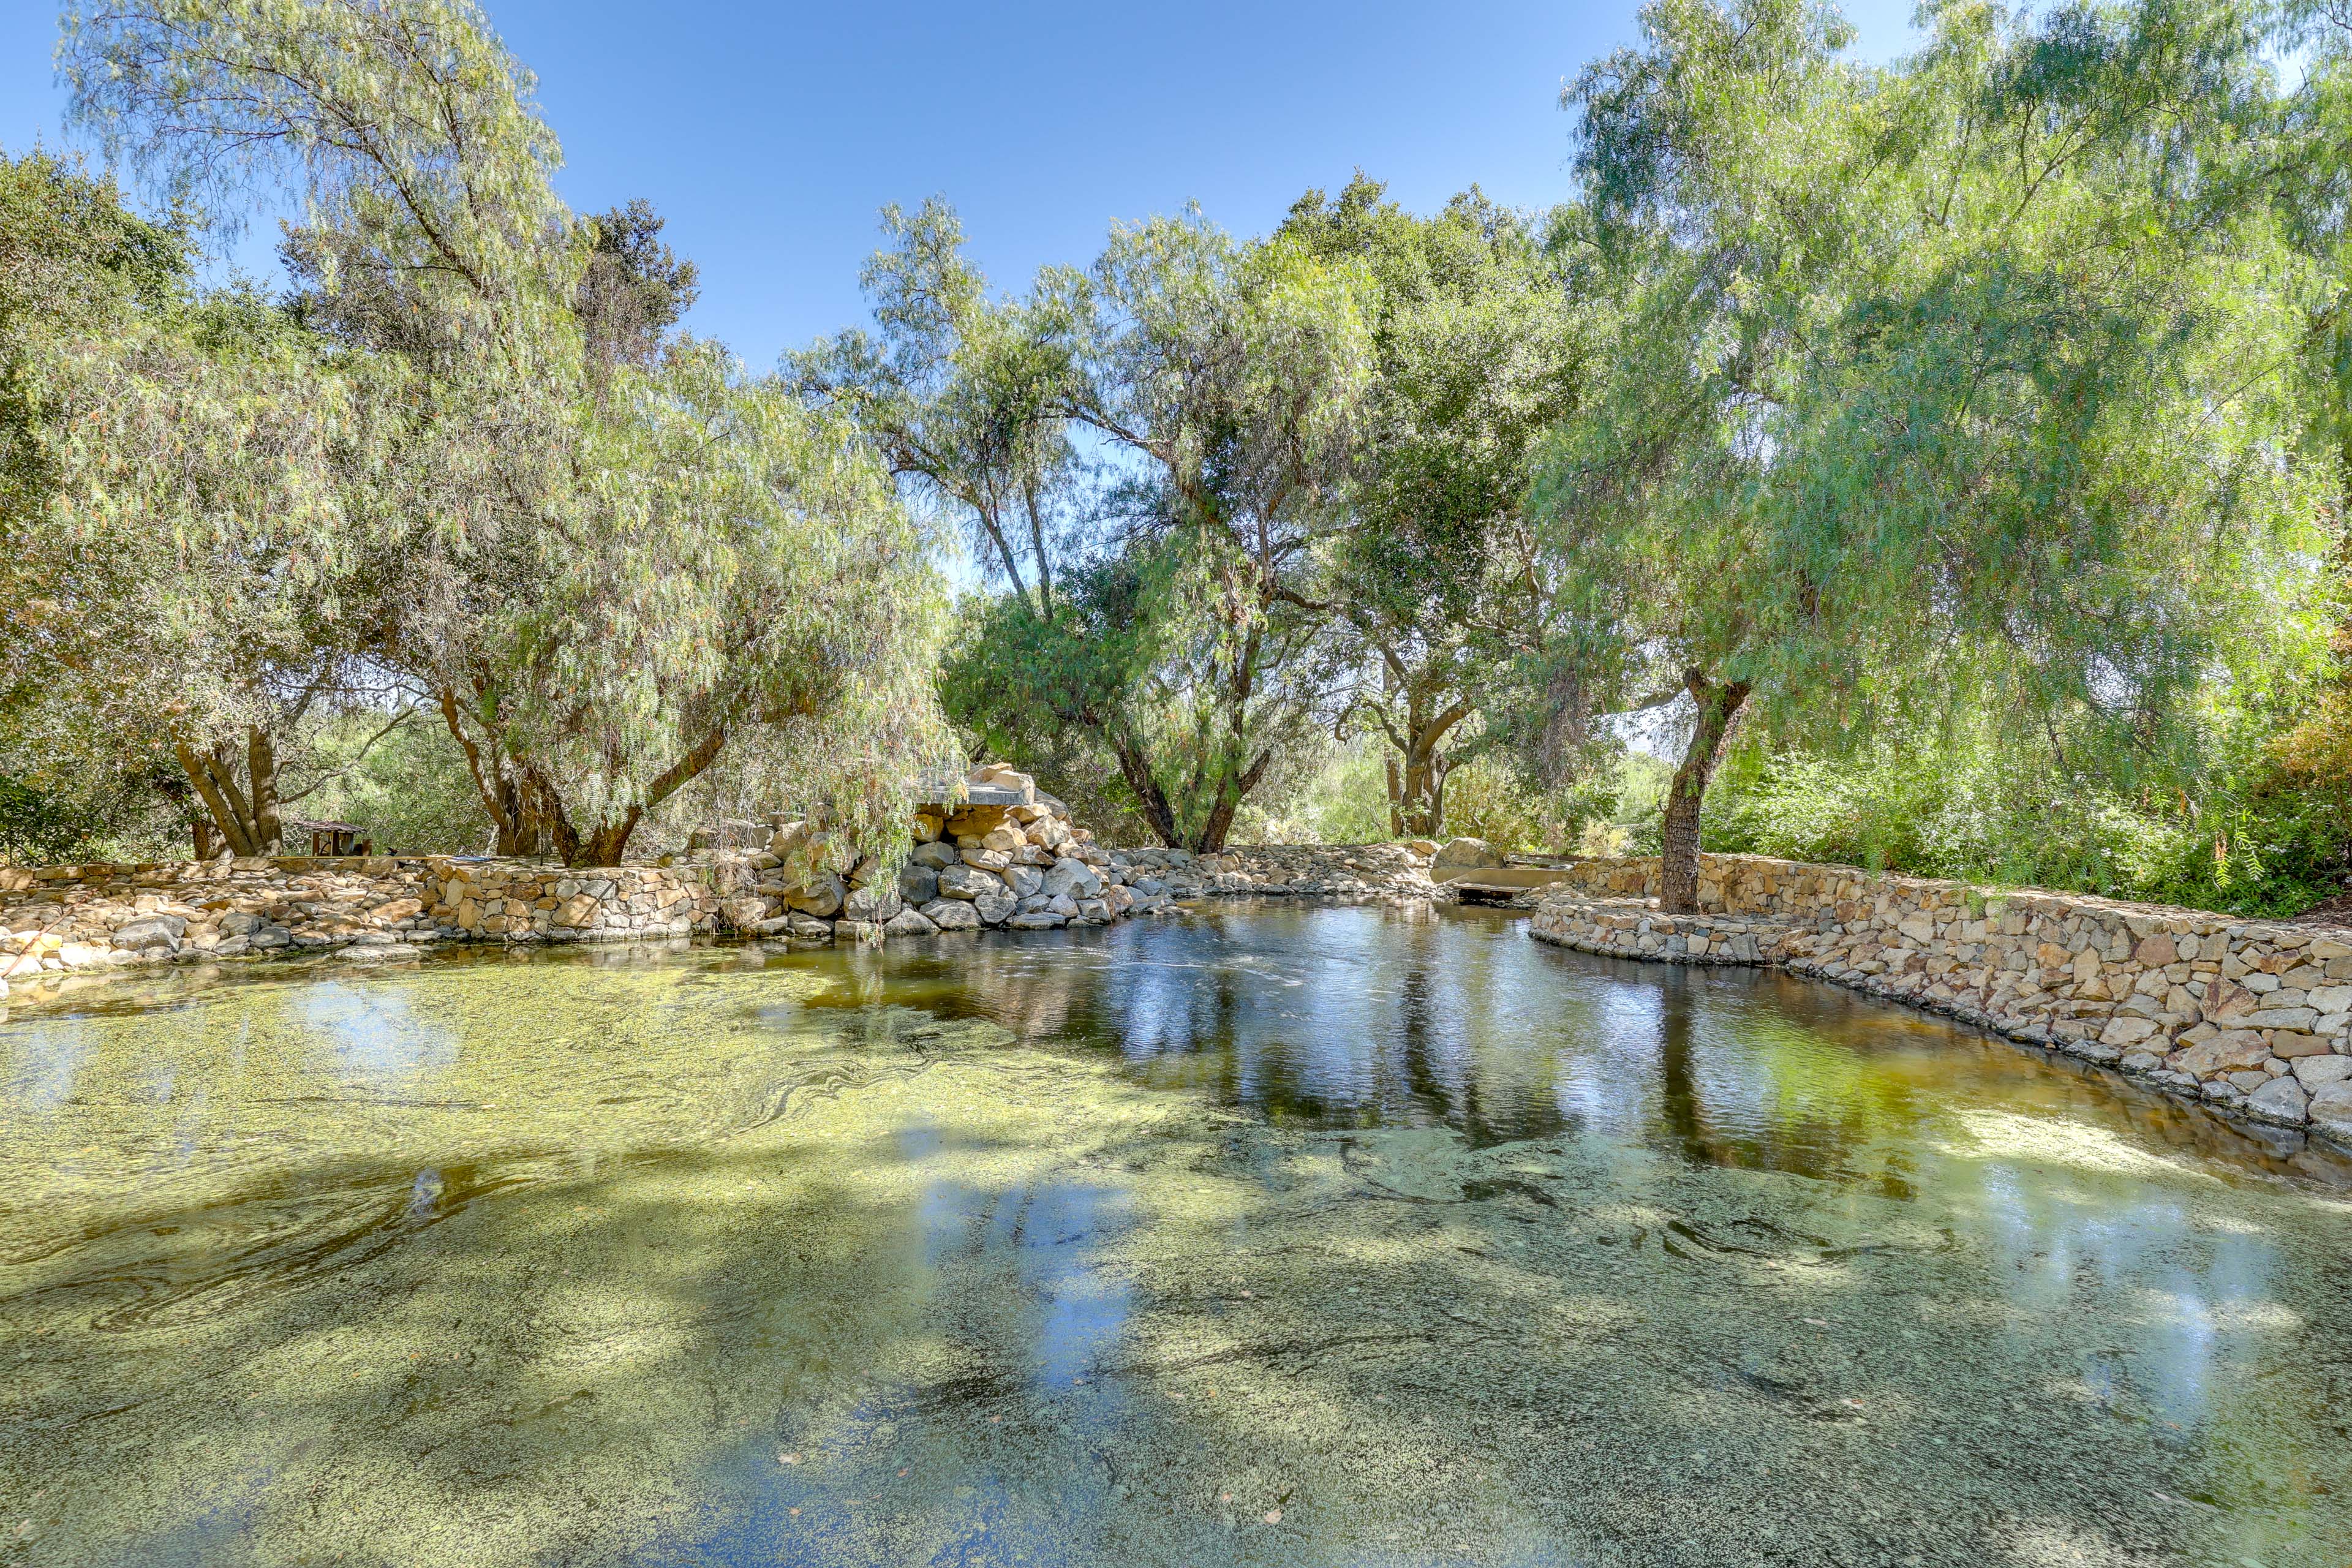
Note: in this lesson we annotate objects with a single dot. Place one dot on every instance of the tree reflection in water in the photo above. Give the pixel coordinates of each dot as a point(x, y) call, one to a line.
point(1113, 1246)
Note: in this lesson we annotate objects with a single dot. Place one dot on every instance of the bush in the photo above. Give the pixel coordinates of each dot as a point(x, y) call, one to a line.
point(38, 828)
point(2245, 841)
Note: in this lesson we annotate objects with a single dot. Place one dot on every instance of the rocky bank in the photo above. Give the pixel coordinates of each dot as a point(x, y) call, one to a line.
point(1014, 860)
point(2251, 1016)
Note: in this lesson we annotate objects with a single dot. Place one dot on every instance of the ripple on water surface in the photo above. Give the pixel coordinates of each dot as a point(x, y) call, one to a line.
point(1325, 1235)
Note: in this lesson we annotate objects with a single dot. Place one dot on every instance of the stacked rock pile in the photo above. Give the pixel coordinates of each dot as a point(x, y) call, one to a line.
point(1024, 864)
point(1021, 864)
point(65, 919)
point(1009, 858)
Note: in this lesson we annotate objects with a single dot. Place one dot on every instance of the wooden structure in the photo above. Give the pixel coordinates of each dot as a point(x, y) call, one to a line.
point(329, 838)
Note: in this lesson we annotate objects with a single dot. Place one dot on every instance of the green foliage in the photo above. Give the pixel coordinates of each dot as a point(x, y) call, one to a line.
point(1343, 800)
point(1167, 603)
point(37, 827)
point(1959, 445)
point(605, 553)
point(634, 289)
point(968, 398)
point(409, 791)
point(1957, 386)
point(1957, 807)
point(1476, 352)
point(171, 529)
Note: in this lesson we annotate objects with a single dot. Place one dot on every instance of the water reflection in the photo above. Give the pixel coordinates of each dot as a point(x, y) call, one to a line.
point(1278, 1236)
point(375, 1040)
point(1365, 1017)
point(47, 1059)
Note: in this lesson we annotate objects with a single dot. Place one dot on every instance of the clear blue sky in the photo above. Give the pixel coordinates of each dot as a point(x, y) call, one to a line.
point(769, 134)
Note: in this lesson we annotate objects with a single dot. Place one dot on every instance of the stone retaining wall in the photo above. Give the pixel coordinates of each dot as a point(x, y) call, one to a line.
point(2252, 1015)
point(58, 920)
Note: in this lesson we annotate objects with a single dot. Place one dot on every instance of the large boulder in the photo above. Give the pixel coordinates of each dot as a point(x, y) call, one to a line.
point(1003, 775)
point(2231, 1050)
point(2331, 1108)
point(972, 821)
point(966, 883)
point(951, 914)
point(821, 895)
point(2316, 1070)
point(1466, 853)
point(156, 931)
point(910, 923)
point(995, 908)
point(2281, 1099)
point(1024, 880)
point(937, 855)
point(1074, 877)
point(873, 905)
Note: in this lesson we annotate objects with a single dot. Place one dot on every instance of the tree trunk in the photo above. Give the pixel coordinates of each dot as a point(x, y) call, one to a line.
point(208, 838)
point(245, 815)
point(1136, 769)
point(1213, 828)
point(1230, 789)
point(606, 843)
point(261, 778)
point(1422, 813)
point(508, 798)
point(1418, 802)
point(1719, 706)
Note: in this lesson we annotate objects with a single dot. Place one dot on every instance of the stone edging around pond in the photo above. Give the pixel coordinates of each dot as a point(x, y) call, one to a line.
point(61, 921)
point(2254, 1016)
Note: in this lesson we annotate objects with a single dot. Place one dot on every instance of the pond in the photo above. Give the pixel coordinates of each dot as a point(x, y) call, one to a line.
point(1270, 1235)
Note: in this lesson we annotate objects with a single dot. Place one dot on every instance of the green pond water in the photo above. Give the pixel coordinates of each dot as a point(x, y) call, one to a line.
point(1254, 1235)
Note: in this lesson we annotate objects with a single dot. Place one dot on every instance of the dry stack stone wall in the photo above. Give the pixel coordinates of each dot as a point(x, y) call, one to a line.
point(2252, 1015)
point(1016, 861)
point(62, 920)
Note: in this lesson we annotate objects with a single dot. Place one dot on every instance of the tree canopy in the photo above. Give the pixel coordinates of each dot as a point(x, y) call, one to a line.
point(472, 457)
point(1956, 384)
point(1966, 435)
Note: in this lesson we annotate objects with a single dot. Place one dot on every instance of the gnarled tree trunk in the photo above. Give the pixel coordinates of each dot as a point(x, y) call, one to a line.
point(516, 808)
point(1230, 789)
point(603, 844)
point(527, 807)
point(245, 814)
point(1417, 779)
point(1720, 703)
